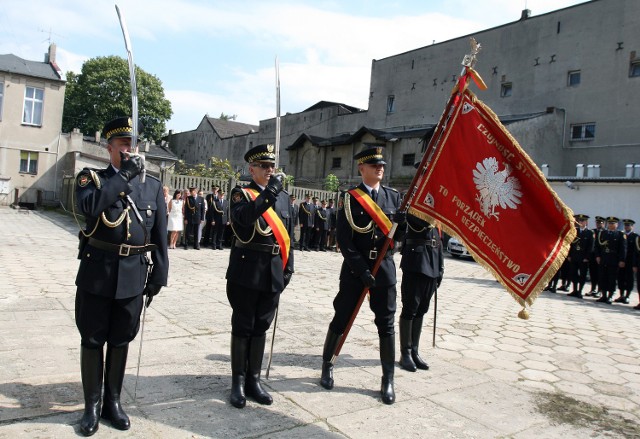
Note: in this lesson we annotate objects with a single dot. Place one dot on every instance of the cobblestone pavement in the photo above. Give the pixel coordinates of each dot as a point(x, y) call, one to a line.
point(572, 370)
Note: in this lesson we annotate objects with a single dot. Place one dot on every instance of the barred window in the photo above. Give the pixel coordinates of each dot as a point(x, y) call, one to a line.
point(583, 131)
point(408, 159)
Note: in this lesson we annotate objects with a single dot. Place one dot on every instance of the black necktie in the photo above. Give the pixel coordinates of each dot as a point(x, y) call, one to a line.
point(374, 195)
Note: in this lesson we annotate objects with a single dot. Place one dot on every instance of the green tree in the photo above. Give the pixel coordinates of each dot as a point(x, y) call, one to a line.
point(219, 169)
point(331, 183)
point(102, 92)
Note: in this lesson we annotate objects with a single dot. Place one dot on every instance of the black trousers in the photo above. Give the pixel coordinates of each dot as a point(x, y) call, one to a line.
point(579, 271)
point(218, 234)
point(192, 229)
point(416, 290)
point(208, 233)
point(103, 320)
point(594, 274)
point(608, 275)
point(625, 278)
point(382, 301)
point(305, 235)
point(253, 310)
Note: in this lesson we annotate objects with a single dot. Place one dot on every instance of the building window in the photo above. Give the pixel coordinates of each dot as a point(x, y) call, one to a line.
point(391, 104)
point(28, 162)
point(33, 103)
point(573, 78)
point(1, 97)
point(583, 131)
point(336, 162)
point(634, 71)
point(505, 90)
point(408, 159)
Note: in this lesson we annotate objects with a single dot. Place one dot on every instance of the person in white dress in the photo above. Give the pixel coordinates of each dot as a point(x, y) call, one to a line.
point(175, 223)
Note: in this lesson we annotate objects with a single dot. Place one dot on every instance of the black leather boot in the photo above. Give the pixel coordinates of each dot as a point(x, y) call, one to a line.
point(115, 366)
point(253, 388)
point(91, 370)
point(239, 350)
point(416, 330)
point(387, 359)
point(406, 362)
point(330, 345)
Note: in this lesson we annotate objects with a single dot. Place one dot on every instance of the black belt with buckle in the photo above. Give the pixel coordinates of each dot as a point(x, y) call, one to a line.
point(274, 249)
point(429, 242)
point(122, 249)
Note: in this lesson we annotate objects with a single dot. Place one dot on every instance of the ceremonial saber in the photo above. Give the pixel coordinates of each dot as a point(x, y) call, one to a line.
point(134, 92)
point(435, 315)
point(277, 151)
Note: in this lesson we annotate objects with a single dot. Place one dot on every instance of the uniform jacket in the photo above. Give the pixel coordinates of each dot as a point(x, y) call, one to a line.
point(194, 210)
point(630, 259)
point(106, 273)
point(422, 249)
point(254, 269)
point(333, 217)
point(581, 246)
point(220, 210)
point(360, 249)
point(321, 220)
point(611, 247)
point(209, 202)
point(306, 214)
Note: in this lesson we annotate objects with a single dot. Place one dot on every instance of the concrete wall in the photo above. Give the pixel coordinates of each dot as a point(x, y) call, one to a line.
point(598, 38)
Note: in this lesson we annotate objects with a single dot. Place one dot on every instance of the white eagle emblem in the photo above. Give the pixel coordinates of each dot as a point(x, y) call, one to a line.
point(496, 188)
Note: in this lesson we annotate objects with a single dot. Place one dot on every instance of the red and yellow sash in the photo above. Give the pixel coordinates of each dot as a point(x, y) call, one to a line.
point(373, 210)
point(274, 221)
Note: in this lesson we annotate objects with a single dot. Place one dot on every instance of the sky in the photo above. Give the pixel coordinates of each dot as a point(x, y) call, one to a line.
point(215, 56)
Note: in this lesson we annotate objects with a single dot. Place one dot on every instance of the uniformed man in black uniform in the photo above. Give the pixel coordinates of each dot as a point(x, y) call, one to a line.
point(626, 275)
point(594, 268)
point(194, 215)
point(220, 218)
point(256, 276)
point(306, 215)
point(611, 250)
point(209, 222)
point(360, 239)
point(125, 219)
point(579, 252)
point(321, 224)
point(422, 267)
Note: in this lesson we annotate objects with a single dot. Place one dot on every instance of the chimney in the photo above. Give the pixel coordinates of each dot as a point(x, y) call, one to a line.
point(50, 58)
point(593, 171)
point(98, 136)
point(526, 13)
point(636, 170)
point(580, 170)
point(545, 169)
point(629, 170)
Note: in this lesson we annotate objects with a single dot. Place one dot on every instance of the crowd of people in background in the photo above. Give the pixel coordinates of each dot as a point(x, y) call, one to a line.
point(606, 256)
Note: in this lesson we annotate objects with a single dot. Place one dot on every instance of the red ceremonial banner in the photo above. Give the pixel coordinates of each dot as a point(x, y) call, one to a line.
point(482, 187)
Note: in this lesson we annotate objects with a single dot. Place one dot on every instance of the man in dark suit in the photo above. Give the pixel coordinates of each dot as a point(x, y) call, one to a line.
point(194, 215)
point(422, 267)
point(306, 214)
point(260, 268)
point(611, 250)
point(321, 224)
point(579, 255)
point(360, 236)
point(220, 219)
point(125, 219)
